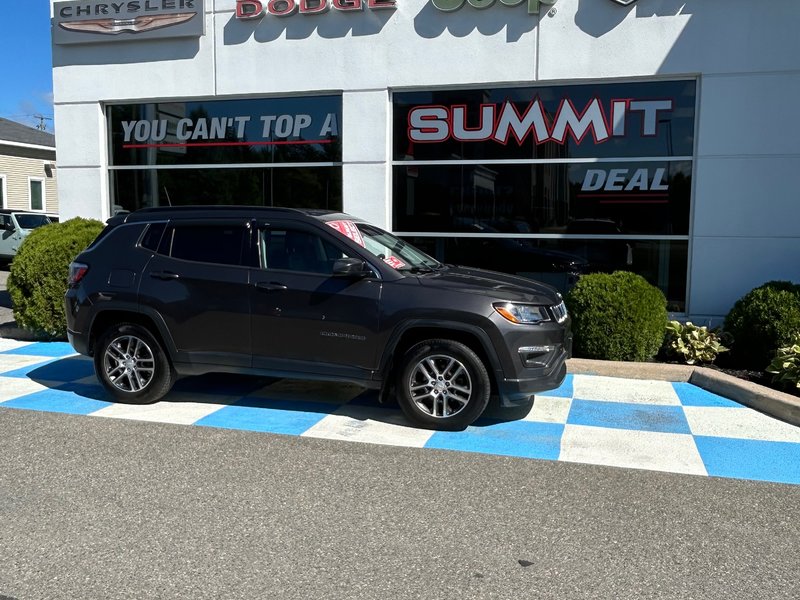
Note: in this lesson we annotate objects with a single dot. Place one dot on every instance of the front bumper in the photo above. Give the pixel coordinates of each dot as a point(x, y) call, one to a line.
point(533, 360)
point(517, 392)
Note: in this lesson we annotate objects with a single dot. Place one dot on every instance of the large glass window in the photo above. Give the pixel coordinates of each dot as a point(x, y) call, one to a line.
point(264, 152)
point(557, 180)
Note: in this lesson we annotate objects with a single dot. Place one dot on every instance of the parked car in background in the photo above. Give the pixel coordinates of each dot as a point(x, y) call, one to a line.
point(15, 225)
point(308, 294)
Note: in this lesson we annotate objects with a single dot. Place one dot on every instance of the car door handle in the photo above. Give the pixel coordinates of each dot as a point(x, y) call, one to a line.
point(164, 275)
point(270, 286)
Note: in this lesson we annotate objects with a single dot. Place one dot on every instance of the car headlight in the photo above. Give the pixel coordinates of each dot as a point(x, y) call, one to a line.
point(522, 313)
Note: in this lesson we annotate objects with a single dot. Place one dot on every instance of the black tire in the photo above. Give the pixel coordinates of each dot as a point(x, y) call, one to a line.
point(442, 384)
point(123, 357)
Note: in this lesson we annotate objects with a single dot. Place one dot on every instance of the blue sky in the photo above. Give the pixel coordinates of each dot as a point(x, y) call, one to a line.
point(26, 61)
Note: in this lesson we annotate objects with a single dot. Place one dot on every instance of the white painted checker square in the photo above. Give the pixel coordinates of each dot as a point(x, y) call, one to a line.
point(14, 387)
point(180, 409)
point(549, 409)
point(655, 451)
point(371, 425)
point(634, 391)
point(308, 391)
point(12, 362)
point(741, 423)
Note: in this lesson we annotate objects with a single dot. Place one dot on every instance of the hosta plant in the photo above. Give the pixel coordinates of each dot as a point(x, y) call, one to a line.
point(692, 344)
point(785, 367)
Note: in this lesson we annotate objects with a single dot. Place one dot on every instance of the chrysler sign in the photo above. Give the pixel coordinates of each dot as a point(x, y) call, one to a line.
point(86, 21)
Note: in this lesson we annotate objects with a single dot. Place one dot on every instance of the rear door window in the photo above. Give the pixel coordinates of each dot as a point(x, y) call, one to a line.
point(217, 244)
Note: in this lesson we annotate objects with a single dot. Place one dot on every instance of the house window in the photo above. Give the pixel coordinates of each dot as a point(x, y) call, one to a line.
point(36, 194)
point(2, 191)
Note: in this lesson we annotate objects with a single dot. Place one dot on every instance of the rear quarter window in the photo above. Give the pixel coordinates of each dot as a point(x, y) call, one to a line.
point(152, 236)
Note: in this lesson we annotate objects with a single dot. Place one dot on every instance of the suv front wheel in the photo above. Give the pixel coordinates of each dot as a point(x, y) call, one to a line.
point(132, 365)
point(442, 384)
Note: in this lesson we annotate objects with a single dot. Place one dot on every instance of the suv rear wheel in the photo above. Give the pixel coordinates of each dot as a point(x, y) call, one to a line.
point(442, 384)
point(132, 365)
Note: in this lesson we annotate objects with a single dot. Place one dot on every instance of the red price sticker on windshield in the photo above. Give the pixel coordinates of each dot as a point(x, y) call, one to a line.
point(348, 229)
point(394, 262)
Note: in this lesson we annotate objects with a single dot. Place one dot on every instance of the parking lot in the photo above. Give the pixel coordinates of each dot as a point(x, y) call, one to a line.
point(640, 424)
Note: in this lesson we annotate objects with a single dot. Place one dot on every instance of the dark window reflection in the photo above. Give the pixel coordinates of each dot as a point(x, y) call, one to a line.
point(268, 130)
point(633, 130)
point(293, 187)
point(560, 262)
point(639, 198)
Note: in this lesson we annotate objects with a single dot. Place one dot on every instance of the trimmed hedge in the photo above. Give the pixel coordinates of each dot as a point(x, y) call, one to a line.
point(617, 316)
point(38, 277)
point(763, 320)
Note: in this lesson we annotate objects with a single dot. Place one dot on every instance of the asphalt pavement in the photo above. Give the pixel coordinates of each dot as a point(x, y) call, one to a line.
point(104, 508)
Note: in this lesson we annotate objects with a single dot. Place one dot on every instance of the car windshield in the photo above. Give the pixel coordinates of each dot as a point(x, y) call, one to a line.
point(31, 221)
point(392, 250)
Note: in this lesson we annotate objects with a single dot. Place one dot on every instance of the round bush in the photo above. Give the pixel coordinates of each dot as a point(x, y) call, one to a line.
point(617, 316)
point(38, 277)
point(763, 320)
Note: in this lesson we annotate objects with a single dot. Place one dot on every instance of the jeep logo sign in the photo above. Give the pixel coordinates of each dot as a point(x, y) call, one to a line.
point(87, 21)
point(453, 5)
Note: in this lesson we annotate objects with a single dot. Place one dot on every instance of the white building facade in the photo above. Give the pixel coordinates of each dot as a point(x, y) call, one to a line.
point(544, 138)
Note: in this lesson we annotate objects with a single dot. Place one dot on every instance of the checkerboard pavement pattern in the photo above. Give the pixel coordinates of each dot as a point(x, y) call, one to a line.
point(654, 425)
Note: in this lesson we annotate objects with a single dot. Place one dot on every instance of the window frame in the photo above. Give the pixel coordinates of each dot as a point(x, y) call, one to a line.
point(41, 180)
point(3, 191)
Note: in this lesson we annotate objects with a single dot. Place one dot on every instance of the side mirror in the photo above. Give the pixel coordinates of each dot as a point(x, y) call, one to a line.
point(350, 267)
point(8, 226)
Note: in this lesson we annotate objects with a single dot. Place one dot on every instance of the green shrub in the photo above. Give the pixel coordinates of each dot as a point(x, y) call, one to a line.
point(785, 367)
point(764, 319)
point(38, 278)
point(692, 344)
point(617, 316)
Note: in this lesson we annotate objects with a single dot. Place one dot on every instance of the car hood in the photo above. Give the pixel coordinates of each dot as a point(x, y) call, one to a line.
point(491, 283)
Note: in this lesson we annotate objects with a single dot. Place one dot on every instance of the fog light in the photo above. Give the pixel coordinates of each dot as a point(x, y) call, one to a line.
point(535, 356)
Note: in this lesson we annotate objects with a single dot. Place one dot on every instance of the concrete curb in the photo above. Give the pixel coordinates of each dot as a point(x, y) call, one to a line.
point(785, 407)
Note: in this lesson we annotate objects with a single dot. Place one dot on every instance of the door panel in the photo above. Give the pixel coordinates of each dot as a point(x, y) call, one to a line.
point(304, 318)
point(205, 305)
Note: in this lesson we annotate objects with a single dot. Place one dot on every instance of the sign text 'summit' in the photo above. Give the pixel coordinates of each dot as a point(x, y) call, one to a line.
point(500, 122)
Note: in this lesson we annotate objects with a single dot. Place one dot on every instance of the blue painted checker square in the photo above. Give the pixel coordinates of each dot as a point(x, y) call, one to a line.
point(22, 372)
point(524, 439)
point(52, 349)
point(691, 395)
point(565, 390)
point(57, 400)
point(620, 415)
point(750, 459)
point(273, 416)
point(66, 369)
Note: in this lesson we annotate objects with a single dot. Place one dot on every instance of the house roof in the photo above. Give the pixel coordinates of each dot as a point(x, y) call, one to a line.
point(16, 133)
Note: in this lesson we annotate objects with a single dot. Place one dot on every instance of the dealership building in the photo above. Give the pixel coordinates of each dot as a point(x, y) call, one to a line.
point(548, 138)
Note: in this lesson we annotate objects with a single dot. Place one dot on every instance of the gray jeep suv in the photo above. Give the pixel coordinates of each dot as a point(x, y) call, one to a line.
point(308, 294)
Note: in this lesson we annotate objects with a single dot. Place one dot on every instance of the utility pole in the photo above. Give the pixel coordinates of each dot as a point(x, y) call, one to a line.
point(42, 126)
